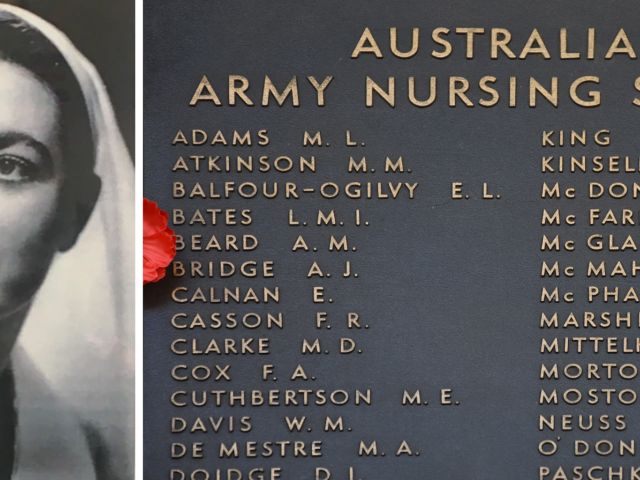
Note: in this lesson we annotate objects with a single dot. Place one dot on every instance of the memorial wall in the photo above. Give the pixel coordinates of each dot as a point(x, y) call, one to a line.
point(407, 240)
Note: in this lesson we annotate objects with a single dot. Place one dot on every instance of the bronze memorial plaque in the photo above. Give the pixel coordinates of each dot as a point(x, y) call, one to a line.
point(406, 240)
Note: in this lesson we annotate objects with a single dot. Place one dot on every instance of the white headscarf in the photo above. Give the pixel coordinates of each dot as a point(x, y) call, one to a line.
point(80, 331)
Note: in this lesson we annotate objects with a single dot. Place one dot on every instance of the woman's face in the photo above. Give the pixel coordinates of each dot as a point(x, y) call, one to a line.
point(31, 176)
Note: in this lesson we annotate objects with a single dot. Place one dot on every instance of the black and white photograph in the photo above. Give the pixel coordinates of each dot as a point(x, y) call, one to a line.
point(67, 240)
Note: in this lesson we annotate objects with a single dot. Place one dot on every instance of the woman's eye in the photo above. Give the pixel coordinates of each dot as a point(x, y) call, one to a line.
point(16, 169)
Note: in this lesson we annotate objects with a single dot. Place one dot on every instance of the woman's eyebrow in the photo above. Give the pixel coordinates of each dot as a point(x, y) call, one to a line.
point(8, 139)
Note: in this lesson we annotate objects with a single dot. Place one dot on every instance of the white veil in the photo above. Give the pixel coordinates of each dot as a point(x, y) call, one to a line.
point(80, 330)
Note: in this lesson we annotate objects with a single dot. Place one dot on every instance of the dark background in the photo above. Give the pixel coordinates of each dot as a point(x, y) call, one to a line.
point(451, 289)
point(104, 30)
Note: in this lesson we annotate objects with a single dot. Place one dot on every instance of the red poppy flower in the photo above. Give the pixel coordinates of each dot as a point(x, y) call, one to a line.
point(159, 245)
